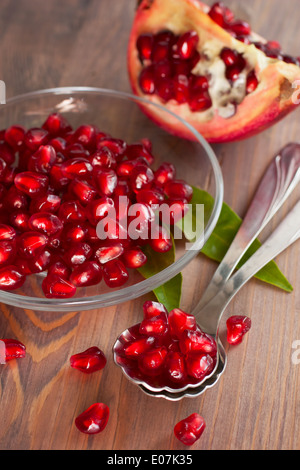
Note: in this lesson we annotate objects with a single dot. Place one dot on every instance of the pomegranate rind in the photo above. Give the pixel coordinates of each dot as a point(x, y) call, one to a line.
point(269, 103)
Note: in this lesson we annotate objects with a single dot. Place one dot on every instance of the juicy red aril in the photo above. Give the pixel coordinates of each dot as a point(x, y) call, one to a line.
point(139, 151)
point(31, 183)
point(14, 136)
point(93, 420)
point(36, 137)
point(175, 367)
point(165, 173)
point(75, 233)
point(11, 278)
point(153, 309)
point(115, 273)
point(107, 253)
point(138, 347)
point(147, 80)
point(150, 196)
point(14, 349)
point(60, 268)
point(87, 274)
point(165, 89)
point(240, 28)
point(103, 158)
point(7, 233)
point(190, 429)
point(197, 341)
point(8, 252)
point(186, 44)
point(180, 321)
point(154, 326)
point(85, 135)
point(252, 82)
point(160, 240)
point(45, 222)
point(56, 125)
point(200, 101)
point(77, 254)
point(237, 327)
point(89, 361)
point(141, 177)
point(178, 209)
point(56, 287)
point(221, 14)
point(117, 146)
point(199, 365)
point(16, 199)
point(106, 180)
point(144, 46)
point(43, 160)
point(99, 209)
point(134, 258)
point(31, 244)
point(151, 362)
point(181, 89)
point(229, 57)
point(160, 51)
point(76, 168)
point(72, 212)
point(83, 191)
point(19, 220)
point(7, 153)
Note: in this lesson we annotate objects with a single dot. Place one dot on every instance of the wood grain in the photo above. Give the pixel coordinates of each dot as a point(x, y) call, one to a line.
point(256, 403)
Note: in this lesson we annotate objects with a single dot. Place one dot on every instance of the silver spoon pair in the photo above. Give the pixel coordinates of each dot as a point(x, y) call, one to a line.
point(280, 180)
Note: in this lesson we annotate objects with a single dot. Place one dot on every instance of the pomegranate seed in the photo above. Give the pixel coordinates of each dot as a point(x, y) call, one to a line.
point(19, 220)
point(7, 153)
point(115, 273)
point(31, 183)
point(57, 178)
point(200, 101)
point(124, 169)
point(138, 347)
point(45, 222)
point(144, 46)
point(40, 263)
point(165, 173)
point(71, 211)
point(154, 326)
point(56, 125)
point(86, 136)
point(76, 168)
point(197, 341)
point(134, 258)
point(106, 181)
point(187, 44)
point(175, 368)
point(56, 287)
point(99, 209)
point(181, 88)
point(87, 274)
point(229, 57)
point(59, 268)
point(274, 45)
point(252, 82)
point(190, 429)
point(290, 60)
point(7, 233)
point(178, 209)
point(3, 168)
point(31, 244)
point(180, 321)
point(160, 51)
point(237, 327)
point(147, 80)
point(160, 240)
point(36, 137)
point(75, 151)
point(163, 69)
point(178, 189)
point(164, 88)
point(140, 218)
point(75, 233)
point(7, 252)
point(240, 28)
point(141, 177)
point(220, 14)
point(14, 136)
point(11, 278)
point(42, 160)
point(199, 365)
point(153, 309)
point(94, 419)
point(112, 251)
point(151, 363)
point(59, 144)
point(103, 158)
point(89, 361)
point(14, 349)
point(16, 199)
point(233, 73)
point(77, 254)
point(83, 191)
point(139, 151)
point(117, 146)
point(150, 196)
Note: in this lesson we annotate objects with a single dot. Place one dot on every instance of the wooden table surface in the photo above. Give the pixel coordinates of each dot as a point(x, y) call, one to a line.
point(256, 405)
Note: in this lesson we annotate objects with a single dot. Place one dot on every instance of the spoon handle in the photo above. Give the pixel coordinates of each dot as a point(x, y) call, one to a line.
point(280, 179)
point(283, 236)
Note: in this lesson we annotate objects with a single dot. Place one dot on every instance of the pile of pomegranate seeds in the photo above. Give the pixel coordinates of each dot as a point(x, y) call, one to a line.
point(58, 185)
point(11, 349)
point(237, 327)
point(94, 419)
point(179, 67)
point(166, 350)
point(190, 429)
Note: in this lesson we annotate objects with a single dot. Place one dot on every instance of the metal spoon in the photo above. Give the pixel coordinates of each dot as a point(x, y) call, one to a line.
point(279, 181)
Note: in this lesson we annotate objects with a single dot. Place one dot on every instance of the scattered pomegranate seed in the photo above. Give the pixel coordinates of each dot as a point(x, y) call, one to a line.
point(237, 327)
point(199, 365)
point(89, 361)
point(134, 258)
point(190, 429)
point(87, 274)
point(14, 349)
point(94, 419)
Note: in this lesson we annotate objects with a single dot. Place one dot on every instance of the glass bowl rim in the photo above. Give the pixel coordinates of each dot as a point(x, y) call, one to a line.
point(147, 285)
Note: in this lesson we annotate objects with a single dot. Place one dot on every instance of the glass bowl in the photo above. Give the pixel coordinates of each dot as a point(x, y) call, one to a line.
point(118, 114)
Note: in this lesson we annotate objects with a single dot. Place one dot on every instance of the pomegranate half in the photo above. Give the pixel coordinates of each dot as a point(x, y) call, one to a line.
point(209, 68)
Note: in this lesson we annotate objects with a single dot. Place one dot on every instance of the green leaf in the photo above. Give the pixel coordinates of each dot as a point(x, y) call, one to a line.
point(169, 293)
point(223, 235)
